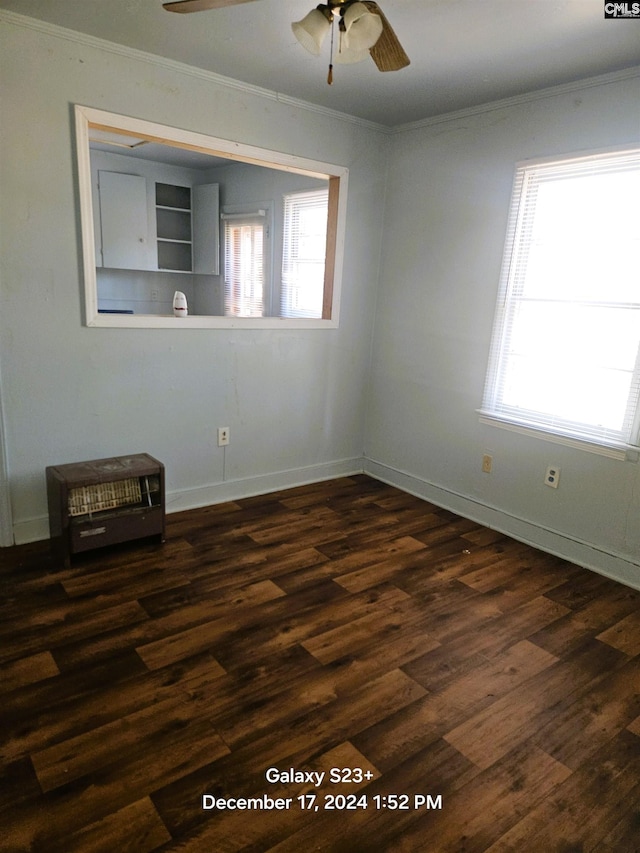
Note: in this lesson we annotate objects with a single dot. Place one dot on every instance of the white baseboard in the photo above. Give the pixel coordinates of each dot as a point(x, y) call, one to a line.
point(615, 566)
point(35, 529)
point(31, 530)
point(231, 490)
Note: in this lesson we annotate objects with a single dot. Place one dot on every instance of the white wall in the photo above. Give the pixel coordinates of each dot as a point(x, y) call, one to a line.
point(294, 400)
point(445, 219)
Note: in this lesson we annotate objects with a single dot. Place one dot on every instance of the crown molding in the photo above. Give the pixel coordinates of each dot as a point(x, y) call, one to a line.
point(182, 68)
point(525, 98)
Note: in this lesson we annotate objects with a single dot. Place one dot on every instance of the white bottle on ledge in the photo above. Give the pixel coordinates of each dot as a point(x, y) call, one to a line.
point(180, 304)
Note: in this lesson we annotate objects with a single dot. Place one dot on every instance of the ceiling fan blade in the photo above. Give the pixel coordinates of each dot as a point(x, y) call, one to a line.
point(200, 5)
point(387, 53)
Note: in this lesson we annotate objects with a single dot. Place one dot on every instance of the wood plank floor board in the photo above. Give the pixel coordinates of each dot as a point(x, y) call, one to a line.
point(18, 784)
point(68, 710)
point(472, 693)
point(359, 560)
point(22, 602)
point(309, 525)
point(419, 567)
point(441, 563)
point(624, 635)
point(296, 579)
point(444, 612)
point(369, 635)
point(327, 689)
point(76, 757)
point(27, 670)
point(280, 624)
point(547, 697)
point(504, 791)
point(390, 525)
point(127, 584)
point(578, 731)
point(323, 714)
point(136, 828)
point(586, 807)
point(623, 838)
point(249, 690)
point(589, 621)
point(493, 630)
point(230, 830)
point(175, 609)
point(435, 770)
point(226, 619)
point(274, 562)
point(107, 789)
point(354, 489)
point(335, 625)
point(518, 579)
point(495, 564)
point(583, 589)
point(120, 617)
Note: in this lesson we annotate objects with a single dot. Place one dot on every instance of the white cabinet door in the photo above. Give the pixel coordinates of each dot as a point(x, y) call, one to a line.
point(124, 225)
point(206, 228)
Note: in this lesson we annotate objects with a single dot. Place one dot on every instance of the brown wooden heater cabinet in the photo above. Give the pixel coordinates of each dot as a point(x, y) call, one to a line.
point(104, 502)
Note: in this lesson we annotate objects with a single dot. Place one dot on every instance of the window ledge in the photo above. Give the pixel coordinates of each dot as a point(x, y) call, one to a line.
point(195, 321)
point(626, 452)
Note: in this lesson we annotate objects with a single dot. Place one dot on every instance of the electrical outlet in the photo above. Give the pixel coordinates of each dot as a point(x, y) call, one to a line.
point(223, 436)
point(154, 295)
point(487, 462)
point(552, 477)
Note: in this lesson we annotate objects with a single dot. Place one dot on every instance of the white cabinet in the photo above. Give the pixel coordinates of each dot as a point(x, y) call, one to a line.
point(206, 228)
point(124, 223)
point(147, 224)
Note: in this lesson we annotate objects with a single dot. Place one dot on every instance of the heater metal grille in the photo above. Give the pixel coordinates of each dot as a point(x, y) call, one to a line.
point(87, 499)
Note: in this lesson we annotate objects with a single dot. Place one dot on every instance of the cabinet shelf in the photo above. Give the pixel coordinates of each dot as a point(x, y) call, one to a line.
point(174, 196)
point(173, 228)
point(176, 209)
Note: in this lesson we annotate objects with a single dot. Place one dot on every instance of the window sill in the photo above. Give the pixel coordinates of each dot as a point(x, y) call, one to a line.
point(624, 452)
point(194, 321)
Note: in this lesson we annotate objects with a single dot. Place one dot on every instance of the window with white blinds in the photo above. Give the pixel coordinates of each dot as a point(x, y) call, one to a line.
point(303, 253)
point(565, 354)
point(244, 238)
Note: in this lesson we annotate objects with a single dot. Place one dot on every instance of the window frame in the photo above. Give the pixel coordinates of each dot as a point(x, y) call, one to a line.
point(337, 176)
point(250, 214)
point(519, 240)
point(292, 203)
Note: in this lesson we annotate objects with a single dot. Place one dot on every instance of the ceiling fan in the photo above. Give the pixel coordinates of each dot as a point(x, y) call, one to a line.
point(362, 26)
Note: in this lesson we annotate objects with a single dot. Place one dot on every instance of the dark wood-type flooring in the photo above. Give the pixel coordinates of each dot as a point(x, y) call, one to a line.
point(339, 625)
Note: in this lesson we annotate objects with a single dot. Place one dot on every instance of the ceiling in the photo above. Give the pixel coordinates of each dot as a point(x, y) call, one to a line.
point(463, 52)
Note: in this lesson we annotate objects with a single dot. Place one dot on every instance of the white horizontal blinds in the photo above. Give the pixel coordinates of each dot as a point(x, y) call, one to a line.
point(244, 265)
point(303, 253)
point(566, 348)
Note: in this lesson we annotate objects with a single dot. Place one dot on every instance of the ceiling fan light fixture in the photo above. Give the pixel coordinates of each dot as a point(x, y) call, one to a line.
point(312, 30)
point(346, 56)
point(360, 28)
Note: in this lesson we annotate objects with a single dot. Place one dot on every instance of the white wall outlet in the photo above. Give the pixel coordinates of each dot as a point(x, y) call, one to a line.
point(552, 477)
point(487, 462)
point(223, 436)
